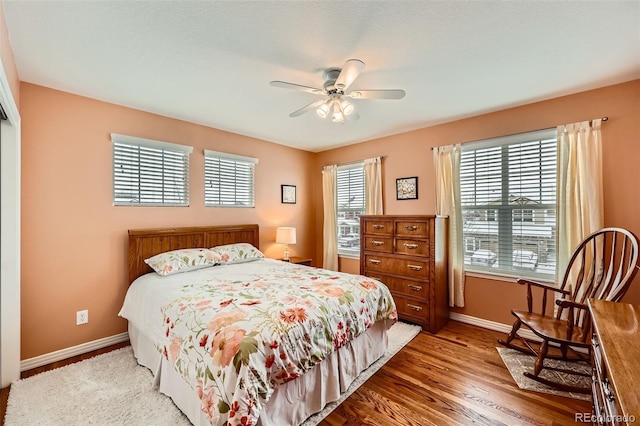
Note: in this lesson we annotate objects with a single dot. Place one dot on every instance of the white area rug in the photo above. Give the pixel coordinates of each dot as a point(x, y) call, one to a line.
point(112, 389)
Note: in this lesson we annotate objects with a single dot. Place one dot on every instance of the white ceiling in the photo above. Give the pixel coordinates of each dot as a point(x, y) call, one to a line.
point(211, 62)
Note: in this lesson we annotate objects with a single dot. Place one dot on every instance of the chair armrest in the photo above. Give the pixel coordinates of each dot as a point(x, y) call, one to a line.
point(564, 303)
point(523, 281)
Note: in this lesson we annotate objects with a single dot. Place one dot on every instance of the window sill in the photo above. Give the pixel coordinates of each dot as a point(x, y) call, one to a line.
point(349, 256)
point(505, 277)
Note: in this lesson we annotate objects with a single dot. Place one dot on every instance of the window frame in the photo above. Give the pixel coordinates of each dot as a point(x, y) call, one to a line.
point(349, 251)
point(154, 151)
point(529, 215)
point(244, 171)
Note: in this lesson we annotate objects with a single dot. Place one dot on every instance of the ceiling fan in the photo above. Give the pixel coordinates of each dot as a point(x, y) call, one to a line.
point(335, 90)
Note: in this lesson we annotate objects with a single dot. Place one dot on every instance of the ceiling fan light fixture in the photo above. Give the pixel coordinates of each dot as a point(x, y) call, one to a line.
point(338, 114)
point(323, 110)
point(346, 106)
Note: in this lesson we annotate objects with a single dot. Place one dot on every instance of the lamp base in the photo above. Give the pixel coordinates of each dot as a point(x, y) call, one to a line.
point(286, 253)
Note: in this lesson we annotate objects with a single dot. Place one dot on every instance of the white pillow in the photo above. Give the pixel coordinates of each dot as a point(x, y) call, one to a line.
point(237, 253)
point(182, 260)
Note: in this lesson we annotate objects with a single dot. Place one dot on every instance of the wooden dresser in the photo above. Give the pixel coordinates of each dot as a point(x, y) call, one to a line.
point(409, 255)
point(616, 362)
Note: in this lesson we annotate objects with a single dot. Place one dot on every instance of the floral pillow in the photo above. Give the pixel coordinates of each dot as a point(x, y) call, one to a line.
point(183, 260)
point(237, 253)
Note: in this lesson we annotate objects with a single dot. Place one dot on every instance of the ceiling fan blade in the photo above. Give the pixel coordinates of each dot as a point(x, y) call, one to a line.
point(299, 87)
point(306, 108)
point(376, 94)
point(351, 69)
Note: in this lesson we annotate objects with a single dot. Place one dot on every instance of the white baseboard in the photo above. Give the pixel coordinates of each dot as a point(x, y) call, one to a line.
point(38, 361)
point(498, 326)
point(491, 325)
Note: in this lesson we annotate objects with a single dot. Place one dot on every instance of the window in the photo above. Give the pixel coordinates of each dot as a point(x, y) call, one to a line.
point(351, 205)
point(229, 180)
point(149, 173)
point(508, 200)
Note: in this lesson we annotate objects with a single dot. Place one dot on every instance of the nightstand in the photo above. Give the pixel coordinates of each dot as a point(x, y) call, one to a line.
point(300, 260)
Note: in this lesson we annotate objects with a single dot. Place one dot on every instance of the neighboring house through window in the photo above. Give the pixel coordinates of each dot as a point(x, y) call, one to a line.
point(149, 173)
point(508, 200)
point(229, 180)
point(351, 205)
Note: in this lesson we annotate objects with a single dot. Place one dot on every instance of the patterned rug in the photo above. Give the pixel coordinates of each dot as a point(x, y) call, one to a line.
point(518, 362)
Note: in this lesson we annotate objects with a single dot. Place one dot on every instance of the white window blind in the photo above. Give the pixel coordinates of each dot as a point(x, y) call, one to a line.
point(229, 180)
point(508, 200)
point(351, 205)
point(149, 173)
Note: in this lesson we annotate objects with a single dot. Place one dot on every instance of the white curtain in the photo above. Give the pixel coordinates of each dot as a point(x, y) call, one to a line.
point(373, 185)
point(579, 187)
point(330, 228)
point(446, 160)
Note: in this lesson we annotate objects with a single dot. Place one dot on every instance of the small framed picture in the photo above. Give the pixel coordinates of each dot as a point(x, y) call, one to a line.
point(407, 188)
point(288, 193)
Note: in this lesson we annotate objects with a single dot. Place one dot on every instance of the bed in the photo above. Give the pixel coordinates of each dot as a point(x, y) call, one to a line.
point(251, 340)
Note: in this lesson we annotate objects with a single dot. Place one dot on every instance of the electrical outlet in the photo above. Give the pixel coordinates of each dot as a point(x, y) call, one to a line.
point(82, 317)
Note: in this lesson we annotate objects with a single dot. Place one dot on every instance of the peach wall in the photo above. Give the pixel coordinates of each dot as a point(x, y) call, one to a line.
point(74, 242)
point(409, 154)
point(8, 62)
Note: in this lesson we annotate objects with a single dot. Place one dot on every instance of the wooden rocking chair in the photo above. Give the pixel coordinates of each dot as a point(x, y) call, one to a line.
point(602, 267)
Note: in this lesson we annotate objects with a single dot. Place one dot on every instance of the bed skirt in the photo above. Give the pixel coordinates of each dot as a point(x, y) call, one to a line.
point(291, 403)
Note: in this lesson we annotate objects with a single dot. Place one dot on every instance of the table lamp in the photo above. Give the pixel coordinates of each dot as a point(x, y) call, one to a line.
point(286, 235)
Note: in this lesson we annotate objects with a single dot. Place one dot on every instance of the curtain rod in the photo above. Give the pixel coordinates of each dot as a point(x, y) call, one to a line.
point(590, 122)
point(354, 162)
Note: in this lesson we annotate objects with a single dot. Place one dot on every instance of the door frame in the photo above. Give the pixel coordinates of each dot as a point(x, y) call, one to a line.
point(10, 148)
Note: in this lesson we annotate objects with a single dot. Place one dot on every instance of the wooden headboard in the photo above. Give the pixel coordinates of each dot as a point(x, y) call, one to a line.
point(144, 243)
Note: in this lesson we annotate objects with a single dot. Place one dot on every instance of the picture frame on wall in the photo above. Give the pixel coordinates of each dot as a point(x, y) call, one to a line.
point(288, 194)
point(407, 188)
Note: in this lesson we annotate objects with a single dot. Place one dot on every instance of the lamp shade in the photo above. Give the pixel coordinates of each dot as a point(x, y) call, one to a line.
point(285, 235)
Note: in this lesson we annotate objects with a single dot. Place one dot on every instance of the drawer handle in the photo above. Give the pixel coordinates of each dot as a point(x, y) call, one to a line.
point(414, 307)
point(607, 390)
point(415, 287)
point(411, 227)
point(375, 261)
point(377, 243)
point(377, 226)
point(411, 246)
point(415, 267)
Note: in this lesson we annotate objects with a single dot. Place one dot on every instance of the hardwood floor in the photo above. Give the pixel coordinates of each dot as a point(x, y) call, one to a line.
point(453, 377)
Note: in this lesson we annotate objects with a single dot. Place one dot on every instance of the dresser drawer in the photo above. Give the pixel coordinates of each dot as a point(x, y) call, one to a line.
point(410, 309)
point(378, 243)
point(414, 228)
point(398, 266)
point(413, 289)
point(412, 247)
point(378, 226)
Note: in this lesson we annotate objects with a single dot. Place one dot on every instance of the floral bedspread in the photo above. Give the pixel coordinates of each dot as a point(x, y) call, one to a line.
point(236, 340)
